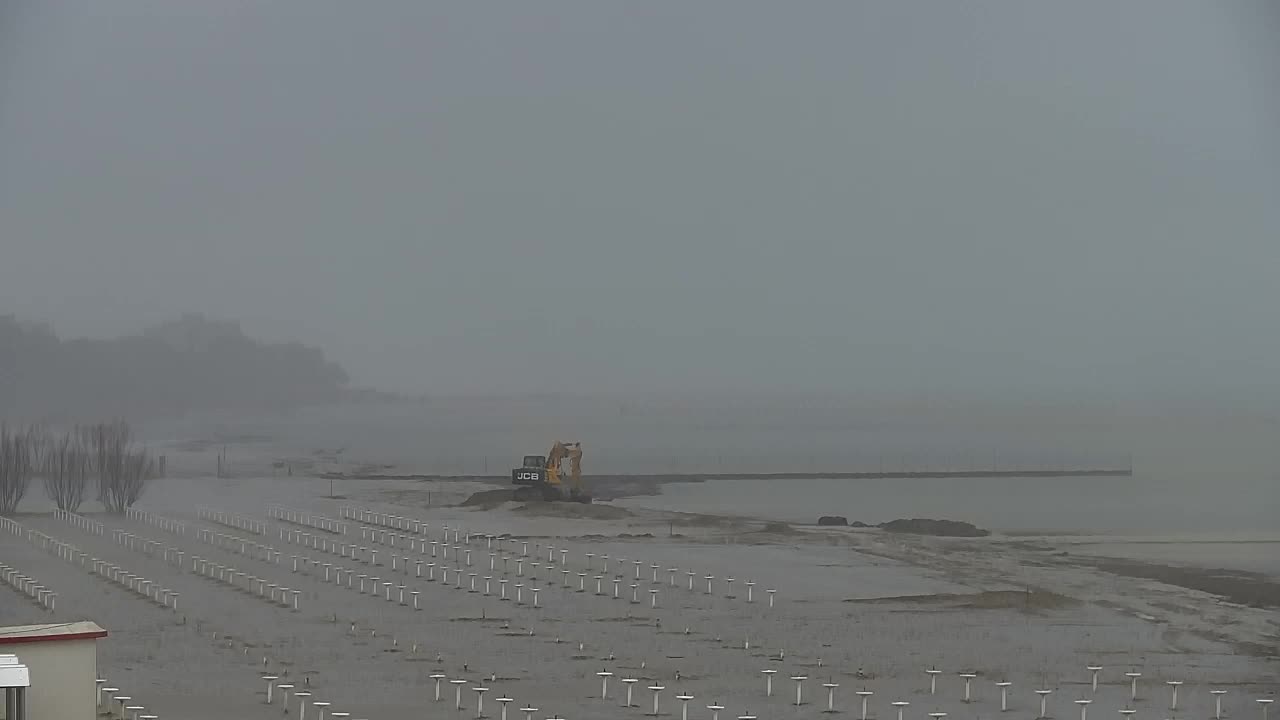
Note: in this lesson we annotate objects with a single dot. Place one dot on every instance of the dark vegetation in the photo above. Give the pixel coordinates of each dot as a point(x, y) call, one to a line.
point(913, 526)
point(19, 455)
point(123, 470)
point(191, 363)
point(926, 526)
point(67, 462)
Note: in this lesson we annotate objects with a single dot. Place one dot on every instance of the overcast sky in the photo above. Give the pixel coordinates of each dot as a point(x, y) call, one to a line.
point(603, 195)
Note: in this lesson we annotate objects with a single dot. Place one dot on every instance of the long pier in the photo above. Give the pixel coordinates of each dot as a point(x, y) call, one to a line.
point(808, 475)
point(875, 475)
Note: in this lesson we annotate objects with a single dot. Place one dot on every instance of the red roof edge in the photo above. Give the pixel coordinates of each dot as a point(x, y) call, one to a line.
point(17, 639)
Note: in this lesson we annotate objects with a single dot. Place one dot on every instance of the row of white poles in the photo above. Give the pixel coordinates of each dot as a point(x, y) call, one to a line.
point(275, 593)
point(901, 705)
point(463, 556)
point(402, 563)
point(418, 527)
point(108, 698)
point(136, 584)
point(164, 523)
point(133, 582)
point(303, 698)
point(341, 576)
point(371, 517)
point(306, 519)
point(363, 583)
point(89, 525)
point(147, 546)
point(124, 704)
point(231, 520)
point(239, 545)
point(494, 545)
point(167, 524)
point(271, 592)
point(29, 586)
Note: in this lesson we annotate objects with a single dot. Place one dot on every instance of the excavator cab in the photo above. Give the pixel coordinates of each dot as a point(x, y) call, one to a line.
point(533, 471)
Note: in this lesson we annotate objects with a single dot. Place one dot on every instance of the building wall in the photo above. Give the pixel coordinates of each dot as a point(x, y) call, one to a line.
point(62, 678)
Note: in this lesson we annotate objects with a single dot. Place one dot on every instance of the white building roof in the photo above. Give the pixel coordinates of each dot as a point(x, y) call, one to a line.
point(13, 674)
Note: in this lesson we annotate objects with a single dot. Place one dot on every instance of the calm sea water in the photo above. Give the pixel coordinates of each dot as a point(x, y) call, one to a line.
point(1140, 505)
point(1219, 473)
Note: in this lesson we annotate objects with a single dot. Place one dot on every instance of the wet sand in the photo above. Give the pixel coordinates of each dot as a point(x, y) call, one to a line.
point(1243, 588)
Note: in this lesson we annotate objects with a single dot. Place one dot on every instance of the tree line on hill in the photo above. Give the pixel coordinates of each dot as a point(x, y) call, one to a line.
point(191, 363)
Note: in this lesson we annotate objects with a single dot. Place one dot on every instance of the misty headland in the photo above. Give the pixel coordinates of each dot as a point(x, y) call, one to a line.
point(189, 364)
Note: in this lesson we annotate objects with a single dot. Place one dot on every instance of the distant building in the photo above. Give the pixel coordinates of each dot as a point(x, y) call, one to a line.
point(62, 661)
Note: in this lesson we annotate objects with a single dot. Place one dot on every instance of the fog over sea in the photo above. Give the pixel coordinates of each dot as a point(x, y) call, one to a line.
point(1205, 473)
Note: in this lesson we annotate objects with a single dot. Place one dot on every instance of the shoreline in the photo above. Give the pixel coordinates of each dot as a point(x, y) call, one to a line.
point(632, 489)
point(798, 475)
point(1237, 587)
point(630, 485)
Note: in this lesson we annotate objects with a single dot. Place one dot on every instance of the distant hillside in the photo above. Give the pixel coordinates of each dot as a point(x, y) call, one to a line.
point(191, 363)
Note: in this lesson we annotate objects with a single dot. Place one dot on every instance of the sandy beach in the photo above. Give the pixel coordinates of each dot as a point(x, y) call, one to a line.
point(861, 609)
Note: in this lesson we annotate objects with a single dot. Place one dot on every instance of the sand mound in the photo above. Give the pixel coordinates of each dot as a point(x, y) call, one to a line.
point(927, 526)
point(777, 528)
point(573, 510)
point(488, 499)
point(701, 520)
point(992, 600)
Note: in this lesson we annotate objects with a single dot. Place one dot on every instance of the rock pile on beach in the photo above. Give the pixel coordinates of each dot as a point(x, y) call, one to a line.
point(913, 526)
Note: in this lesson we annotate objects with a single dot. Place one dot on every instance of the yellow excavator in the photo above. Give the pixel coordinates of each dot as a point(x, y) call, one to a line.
point(543, 478)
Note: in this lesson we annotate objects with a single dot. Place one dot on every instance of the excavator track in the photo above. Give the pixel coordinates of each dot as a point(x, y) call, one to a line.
point(540, 493)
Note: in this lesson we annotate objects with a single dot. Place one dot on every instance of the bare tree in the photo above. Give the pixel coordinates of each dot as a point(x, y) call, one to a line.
point(16, 451)
point(66, 468)
point(106, 443)
point(40, 442)
point(138, 469)
point(123, 471)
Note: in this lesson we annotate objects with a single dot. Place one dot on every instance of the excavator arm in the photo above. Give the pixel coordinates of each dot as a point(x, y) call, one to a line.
point(575, 467)
point(560, 452)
